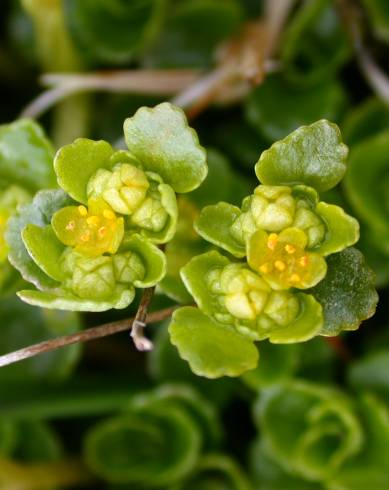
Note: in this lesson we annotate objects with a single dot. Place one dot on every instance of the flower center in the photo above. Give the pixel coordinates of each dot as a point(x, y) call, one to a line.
point(91, 231)
point(284, 262)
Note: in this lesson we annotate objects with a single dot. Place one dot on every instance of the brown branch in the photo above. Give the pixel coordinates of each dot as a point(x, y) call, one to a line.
point(141, 342)
point(84, 336)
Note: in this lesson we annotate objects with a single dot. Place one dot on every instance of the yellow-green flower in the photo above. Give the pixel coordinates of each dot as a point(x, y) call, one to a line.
point(92, 230)
point(283, 261)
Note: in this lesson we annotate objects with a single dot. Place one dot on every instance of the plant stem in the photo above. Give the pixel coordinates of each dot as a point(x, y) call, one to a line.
point(154, 82)
point(84, 336)
point(141, 342)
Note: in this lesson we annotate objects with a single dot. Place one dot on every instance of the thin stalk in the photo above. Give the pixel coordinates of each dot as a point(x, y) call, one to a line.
point(84, 336)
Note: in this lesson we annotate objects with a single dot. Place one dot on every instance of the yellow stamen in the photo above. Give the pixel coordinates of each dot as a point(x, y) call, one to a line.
point(109, 214)
point(295, 278)
point(265, 268)
point(303, 261)
point(279, 265)
point(102, 231)
point(82, 210)
point(85, 237)
point(71, 225)
point(290, 249)
point(93, 220)
point(272, 241)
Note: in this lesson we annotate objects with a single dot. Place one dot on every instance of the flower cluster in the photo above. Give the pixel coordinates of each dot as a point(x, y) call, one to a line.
point(97, 238)
point(280, 236)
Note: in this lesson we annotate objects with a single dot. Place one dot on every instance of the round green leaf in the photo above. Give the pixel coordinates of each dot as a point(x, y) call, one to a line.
point(75, 164)
point(347, 293)
point(212, 349)
point(312, 155)
point(162, 141)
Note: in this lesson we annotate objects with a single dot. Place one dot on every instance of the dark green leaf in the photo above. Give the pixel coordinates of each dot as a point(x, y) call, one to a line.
point(347, 293)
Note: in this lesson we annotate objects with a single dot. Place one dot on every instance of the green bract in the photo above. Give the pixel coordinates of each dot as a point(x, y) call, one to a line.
point(89, 251)
point(284, 235)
